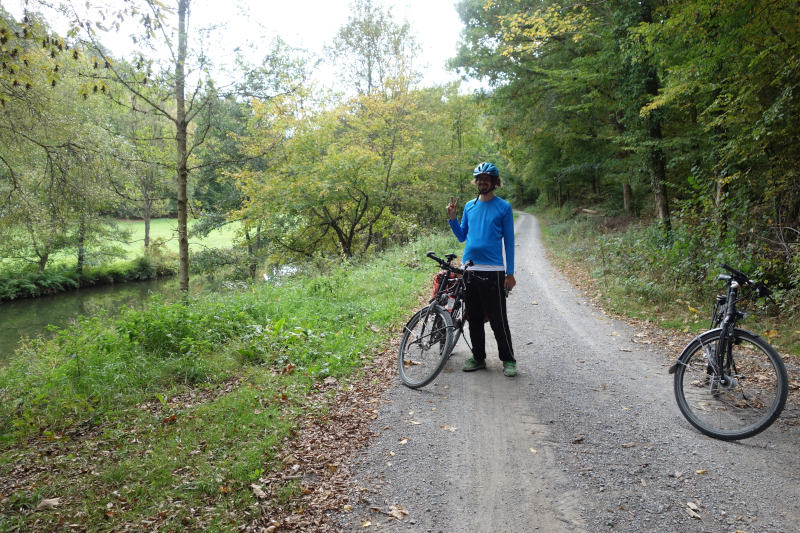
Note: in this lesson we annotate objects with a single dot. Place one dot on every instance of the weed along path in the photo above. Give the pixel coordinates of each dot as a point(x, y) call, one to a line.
point(586, 438)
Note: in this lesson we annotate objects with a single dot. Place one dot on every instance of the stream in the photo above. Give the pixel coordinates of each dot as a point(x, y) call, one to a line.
point(30, 317)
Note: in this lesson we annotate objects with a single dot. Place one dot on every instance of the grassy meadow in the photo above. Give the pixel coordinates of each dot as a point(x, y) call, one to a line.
point(166, 416)
point(166, 230)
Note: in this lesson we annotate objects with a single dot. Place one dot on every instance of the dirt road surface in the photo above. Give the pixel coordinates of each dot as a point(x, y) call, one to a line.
point(586, 438)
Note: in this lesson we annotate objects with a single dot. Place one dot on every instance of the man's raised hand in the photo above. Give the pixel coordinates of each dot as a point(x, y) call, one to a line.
point(451, 208)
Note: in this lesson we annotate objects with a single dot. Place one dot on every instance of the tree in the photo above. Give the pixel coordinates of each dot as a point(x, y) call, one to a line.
point(57, 159)
point(181, 113)
point(373, 49)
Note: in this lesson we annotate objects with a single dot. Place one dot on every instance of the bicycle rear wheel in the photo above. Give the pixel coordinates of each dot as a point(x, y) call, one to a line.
point(741, 402)
point(425, 346)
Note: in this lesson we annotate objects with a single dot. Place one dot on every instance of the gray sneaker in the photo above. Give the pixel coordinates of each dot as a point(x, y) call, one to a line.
point(472, 364)
point(509, 368)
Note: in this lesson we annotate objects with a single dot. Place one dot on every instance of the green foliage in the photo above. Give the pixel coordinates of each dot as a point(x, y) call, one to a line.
point(192, 402)
point(672, 279)
point(688, 102)
point(30, 284)
point(316, 325)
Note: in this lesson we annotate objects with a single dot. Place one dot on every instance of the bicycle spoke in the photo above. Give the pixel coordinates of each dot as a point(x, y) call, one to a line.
point(732, 405)
point(425, 346)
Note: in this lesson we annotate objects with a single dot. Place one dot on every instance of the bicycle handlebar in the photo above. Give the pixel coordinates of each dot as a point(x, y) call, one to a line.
point(744, 279)
point(446, 264)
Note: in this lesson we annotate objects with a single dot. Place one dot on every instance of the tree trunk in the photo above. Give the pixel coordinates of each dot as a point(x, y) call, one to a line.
point(657, 162)
point(81, 246)
point(43, 262)
point(181, 135)
point(626, 198)
point(146, 215)
point(251, 255)
point(721, 208)
point(658, 175)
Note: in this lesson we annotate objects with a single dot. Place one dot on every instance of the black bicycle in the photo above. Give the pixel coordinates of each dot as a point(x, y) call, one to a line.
point(730, 383)
point(432, 333)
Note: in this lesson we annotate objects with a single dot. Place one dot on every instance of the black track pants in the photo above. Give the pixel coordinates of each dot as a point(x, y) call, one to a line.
point(485, 296)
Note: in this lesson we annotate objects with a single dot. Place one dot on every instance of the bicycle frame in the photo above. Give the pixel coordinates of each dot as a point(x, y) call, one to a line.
point(721, 360)
point(456, 291)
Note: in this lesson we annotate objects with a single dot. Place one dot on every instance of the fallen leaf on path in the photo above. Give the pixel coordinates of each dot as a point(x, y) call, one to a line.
point(258, 492)
point(366, 524)
point(449, 428)
point(577, 439)
point(533, 450)
point(48, 503)
point(397, 511)
point(414, 422)
point(629, 445)
point(404, 441)
point(693, 514)
point(625, 350)
point(701, 472)
point(693, 506)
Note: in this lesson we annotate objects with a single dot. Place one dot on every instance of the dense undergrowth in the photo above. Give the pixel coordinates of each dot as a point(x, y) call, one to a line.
point(643, 272)
point(30, 283)
point(187, 402)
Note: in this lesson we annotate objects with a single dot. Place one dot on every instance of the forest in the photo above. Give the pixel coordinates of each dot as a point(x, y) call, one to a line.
point(672, 116)
point(675, 115)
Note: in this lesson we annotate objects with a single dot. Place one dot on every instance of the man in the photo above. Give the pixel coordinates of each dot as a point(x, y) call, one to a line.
point(487, 225)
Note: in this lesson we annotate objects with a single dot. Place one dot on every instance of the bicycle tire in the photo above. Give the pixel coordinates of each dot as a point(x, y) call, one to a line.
point(752, 397)
point(426, 344)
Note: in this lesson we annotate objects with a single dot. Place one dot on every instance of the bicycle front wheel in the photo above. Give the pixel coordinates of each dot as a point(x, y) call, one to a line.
point(740, 401)
point(425, 346)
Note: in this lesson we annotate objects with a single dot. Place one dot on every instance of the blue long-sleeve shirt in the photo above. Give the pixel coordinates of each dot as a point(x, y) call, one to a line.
point(487, 227)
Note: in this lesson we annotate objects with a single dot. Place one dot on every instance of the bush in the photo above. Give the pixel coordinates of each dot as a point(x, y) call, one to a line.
point(30, 284)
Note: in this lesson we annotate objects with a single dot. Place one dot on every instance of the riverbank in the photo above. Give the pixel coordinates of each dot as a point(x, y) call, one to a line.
point(173, 415)
point(19, 285)
point(20, 280)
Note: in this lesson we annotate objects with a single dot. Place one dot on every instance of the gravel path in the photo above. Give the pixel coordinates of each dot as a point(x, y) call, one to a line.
point(586, 438)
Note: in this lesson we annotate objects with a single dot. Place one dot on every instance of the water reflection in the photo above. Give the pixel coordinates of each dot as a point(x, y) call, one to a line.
point(30, 317)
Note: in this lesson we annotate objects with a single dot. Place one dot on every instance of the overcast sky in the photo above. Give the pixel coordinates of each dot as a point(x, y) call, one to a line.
point(312, 24)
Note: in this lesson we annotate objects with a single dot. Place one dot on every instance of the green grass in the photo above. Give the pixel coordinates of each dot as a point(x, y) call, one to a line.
point(166, 230)
point(18, 280)
point(167, 415)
